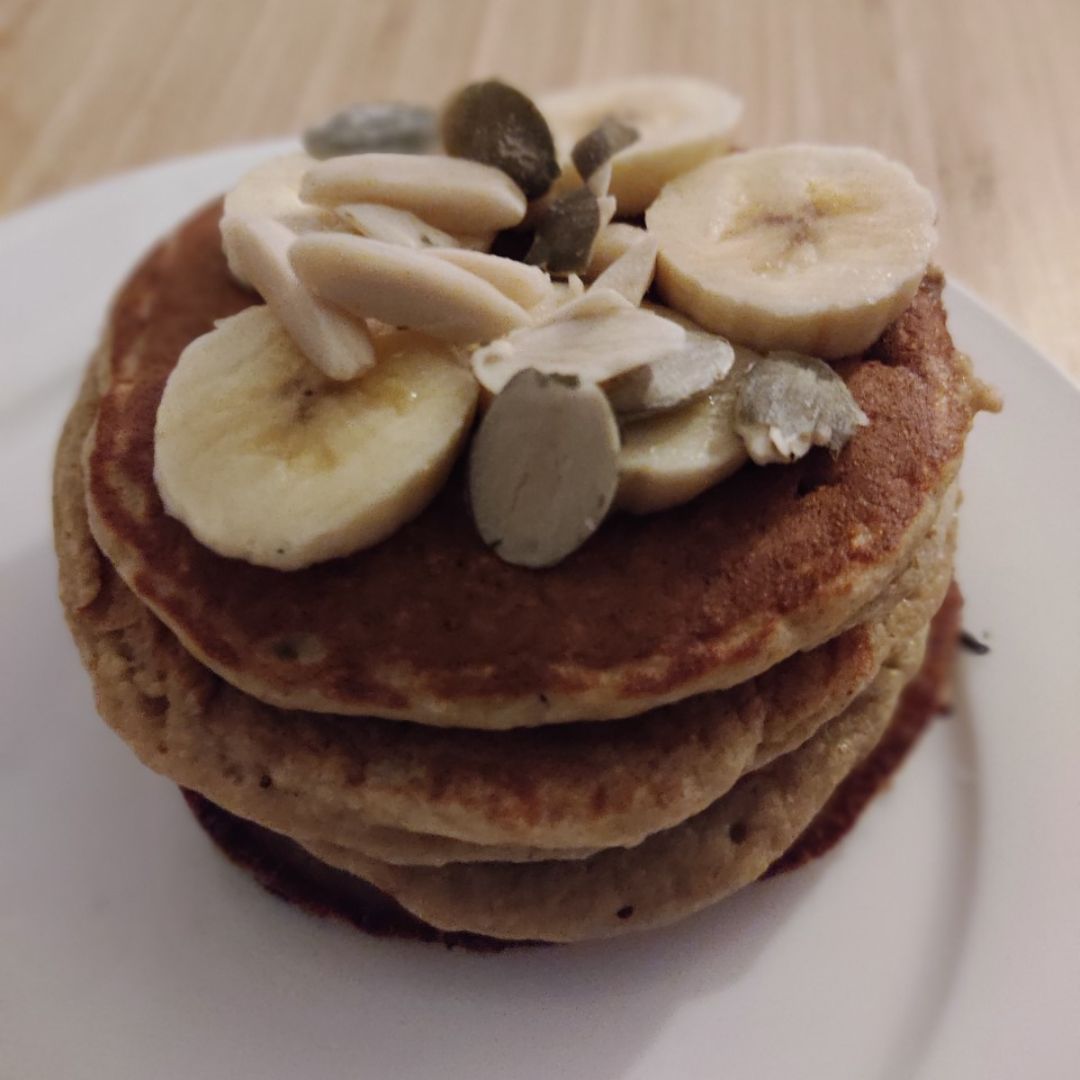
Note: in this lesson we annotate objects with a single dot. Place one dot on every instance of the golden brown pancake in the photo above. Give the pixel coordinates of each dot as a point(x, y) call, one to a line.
point(669, 875)
point(566, 786)
point(284, 868)
point(430, 626)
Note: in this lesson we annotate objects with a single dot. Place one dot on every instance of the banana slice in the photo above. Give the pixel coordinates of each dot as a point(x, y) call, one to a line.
point(404, 288)
point(594, 347)
point(680, 122)
point(544, 468)
point(267, 460)
point(810, 248)
point(452, 194)
point(669, 459)
point(339, 346)
point(272, 190)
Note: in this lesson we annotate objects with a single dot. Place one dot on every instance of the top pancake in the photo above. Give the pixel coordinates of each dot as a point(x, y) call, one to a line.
point(431, 626)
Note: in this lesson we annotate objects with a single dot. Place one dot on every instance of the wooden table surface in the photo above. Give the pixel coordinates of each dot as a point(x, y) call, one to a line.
point(978, 96)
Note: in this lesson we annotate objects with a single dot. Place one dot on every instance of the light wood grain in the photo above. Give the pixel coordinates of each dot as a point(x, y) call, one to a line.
point(978, 96)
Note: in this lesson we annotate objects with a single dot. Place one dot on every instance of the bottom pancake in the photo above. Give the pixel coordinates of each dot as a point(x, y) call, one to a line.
point(287, 870)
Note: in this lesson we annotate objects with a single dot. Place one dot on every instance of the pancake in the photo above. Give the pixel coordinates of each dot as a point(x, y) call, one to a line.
point(668, 876)
point(782, 730)
point(362, 780)
point(431, 627)
point(288, 871)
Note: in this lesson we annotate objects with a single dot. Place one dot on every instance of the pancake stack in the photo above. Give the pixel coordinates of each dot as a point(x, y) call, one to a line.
point(426, 738)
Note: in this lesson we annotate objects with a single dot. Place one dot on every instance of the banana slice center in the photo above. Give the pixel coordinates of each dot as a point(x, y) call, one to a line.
point(789, 238)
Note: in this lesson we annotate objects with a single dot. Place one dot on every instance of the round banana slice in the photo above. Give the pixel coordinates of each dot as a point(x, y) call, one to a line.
point(265, 459)
point(671, 458)
point(272, 190)
point(452, 194)
point(680, 123)
point(810, 248)
point(788, 403)
point(543, 468)
point(404, 288)
point(338, 345)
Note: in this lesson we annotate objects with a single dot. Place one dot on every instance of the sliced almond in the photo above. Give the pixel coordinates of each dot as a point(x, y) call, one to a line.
point(403, 287)
point(561, 294)
point(790, 402)
point(395, 226)
point(525, 285)
point(600, 181)
point(544, 468)
point(336, 344)
point(585, 305)
point(596, 348)
point(612, 242)
point(392, 225)
point(498, 125)
point(671, 458)
point(672, 380)
point(632, 272)
point(272, 190)
point(608, 207)
point(450, 193)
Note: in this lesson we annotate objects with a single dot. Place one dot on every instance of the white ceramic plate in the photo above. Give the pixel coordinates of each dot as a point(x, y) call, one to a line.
point(941, 939)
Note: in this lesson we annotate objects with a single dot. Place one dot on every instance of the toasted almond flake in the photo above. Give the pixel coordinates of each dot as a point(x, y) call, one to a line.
point(392, 225)
point(585, 305)
point(631, 273)
point(595, 348)
point(402, 287)
point(338, 345)
point(525, 285)
point(612, 242)
point(450, 193)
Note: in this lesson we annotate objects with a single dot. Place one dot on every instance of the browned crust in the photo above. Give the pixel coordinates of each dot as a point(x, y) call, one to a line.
point(431, 625)
point(284, 868)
